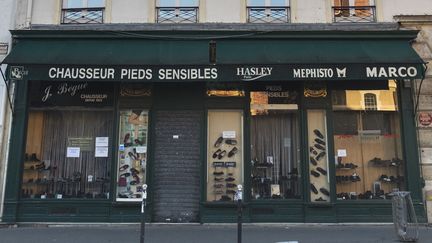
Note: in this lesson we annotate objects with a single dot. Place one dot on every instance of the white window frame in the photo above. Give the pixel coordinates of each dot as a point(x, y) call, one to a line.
point(83, 2)
point(177, 4)
point(267, 3)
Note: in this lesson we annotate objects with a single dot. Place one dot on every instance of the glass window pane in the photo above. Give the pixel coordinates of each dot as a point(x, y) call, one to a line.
point(167, 3)
point(132, 154)
point(369, 163)
point(258, 3)
point(73, 4)
point(279, 3)
point(225, 154)
point(96, 3)
point(188, 3)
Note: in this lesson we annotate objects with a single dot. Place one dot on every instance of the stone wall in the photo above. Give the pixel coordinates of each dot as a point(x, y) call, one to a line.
point(423, 46)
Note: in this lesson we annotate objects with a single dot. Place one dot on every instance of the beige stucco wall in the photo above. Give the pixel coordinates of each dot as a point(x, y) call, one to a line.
point(131, 11)
point(46, 12)
point(223, 11)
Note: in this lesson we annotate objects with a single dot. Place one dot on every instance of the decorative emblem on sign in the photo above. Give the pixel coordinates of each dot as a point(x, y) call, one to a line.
point(17, 72)
point(315, 93)
point(425, 119)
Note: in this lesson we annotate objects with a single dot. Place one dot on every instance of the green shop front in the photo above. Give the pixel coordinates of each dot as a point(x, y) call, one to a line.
point(316, 126)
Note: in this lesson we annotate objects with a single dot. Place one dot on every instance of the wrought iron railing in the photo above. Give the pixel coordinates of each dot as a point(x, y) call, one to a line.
point(83, 16)
point(274, 14)
point(177, 14)
point(354, 14)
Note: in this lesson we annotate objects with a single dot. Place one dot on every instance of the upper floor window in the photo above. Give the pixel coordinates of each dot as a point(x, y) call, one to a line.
point(268, 11)
point(83, 11)
point(354, 11)
point(177, 11)
point(370, 102)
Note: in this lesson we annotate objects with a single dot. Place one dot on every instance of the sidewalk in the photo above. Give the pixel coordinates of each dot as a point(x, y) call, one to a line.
point(207, 233)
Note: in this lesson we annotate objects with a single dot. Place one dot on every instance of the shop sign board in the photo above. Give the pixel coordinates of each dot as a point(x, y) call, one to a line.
point(425, 119)
point(85, 144)
point(222, 72)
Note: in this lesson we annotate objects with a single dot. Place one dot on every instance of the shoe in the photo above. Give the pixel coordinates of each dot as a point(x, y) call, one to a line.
point(313, 151)
point(230, 179)
point(324, 191)
point(26, 157)
point(218, 191)
point(313, 188)
point(221, 154)
point(40, 166)
point(319, 146)
point(232, 152)
point(218, 173)
point(137, 141)
point(132, 156)
point(218, 142)
point(34, 158)
point(215, 154)
point(134, 171)
point(218, 179)
point(231, 142)
point(231, 185)
point(230, 191)
point(313, 161)
point(133, 183)
point(320, 155)
point(126, 138)
point(123, 168)
point(218, 185)
point(318, 133)
point(321, 170)
point(314, 173)
point(127, 174)
point(320, 141)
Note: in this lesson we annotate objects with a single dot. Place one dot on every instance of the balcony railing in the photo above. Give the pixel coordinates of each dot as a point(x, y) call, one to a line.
point(272, 14)
point(177, 14)
point(354, 14)
point(83, 16)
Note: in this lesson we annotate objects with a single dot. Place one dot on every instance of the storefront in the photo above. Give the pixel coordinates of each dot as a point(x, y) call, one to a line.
point(317, 126)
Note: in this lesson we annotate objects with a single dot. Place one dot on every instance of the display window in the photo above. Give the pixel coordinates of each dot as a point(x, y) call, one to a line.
point(132, 154)
point(318, 156)
point(67, 154)
point(367, 137)
point(224, 154)
point(275, 144)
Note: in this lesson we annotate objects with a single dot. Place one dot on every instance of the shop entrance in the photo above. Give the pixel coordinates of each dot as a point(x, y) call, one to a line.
point(177, 166)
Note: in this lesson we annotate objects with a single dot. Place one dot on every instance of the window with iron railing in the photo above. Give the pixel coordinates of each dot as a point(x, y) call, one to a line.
point(177, 11)
point(83, 11)
point(354, 11)
point(268, 11)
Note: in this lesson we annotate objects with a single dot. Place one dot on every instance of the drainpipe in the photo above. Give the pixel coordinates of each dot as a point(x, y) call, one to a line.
point(29, 14)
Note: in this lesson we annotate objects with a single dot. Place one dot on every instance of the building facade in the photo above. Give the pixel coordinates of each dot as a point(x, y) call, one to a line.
point(6, 23)
point(307, 104)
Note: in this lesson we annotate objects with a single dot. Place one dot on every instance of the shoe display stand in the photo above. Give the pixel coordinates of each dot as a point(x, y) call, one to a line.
point(318, 159)
point(261, 179)
point(36, 180)
point(132, 154)
point(363, 174)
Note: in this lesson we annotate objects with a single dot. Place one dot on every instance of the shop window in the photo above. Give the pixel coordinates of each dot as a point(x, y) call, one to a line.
point(268, 11)
point(67, 154)
point(353, 11)
point(83, 11)
point(132, 154)
point(369, 163)
point(224, 154)
point(275, 144)
point(177, 11)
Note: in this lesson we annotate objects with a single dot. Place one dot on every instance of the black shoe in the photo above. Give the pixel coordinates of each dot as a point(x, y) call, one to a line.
point(321, 170)
point(137, 141)
point(221, 154)
point(230, 179)
point(132, 156)
point(314, 173)
point(215, 154)
point(313, 188)
point(320, 155)
point(127, 174)
point(218, 142)
point(231, 141)
point(231, 185)
point(319, 146)
point(318, 133)
point(123, 168)
point(320, 141)
point(313, 151)
point(320, 199)
point(218, 178)
point(313, 161)
point(230, 191)
point(218, 185)
point(225, 198)
point(232, 152)
point(218, 173)
point(34, 158)
point(324, 191)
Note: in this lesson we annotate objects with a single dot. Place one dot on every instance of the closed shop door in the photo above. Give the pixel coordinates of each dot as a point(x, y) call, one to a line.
point(177, 166)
